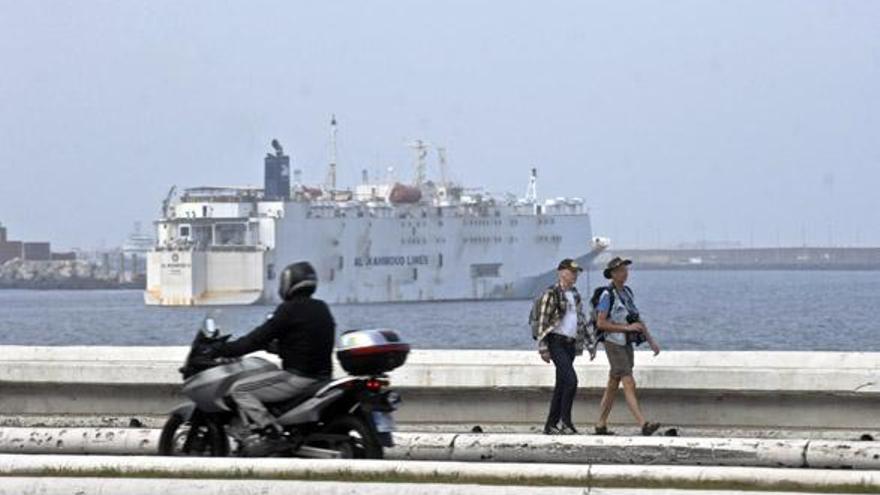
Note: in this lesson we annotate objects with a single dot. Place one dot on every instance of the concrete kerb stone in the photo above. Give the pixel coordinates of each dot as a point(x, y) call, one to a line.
point(103, 486)
point(738, 478)
point(631, 450)
point(91, 441)
point(584, 476)
point(504, 448)
point(845, 455)
point(122, 441)
point(423, 446)
point(67, 421)
point(89, 486)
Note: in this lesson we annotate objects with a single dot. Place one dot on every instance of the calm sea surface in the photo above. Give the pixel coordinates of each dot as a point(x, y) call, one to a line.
point(686, 310)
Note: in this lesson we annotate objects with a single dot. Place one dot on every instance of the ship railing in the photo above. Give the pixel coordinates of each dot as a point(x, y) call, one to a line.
point(200, 246)
point(235, 248)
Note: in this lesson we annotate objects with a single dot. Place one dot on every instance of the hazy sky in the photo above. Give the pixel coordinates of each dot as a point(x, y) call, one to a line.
point(676, 121)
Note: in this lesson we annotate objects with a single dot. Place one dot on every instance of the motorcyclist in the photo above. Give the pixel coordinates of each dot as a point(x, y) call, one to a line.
point(304, 331)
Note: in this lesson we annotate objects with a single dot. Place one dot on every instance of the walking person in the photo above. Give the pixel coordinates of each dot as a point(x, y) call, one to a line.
point(618, 319)
point(560, 328)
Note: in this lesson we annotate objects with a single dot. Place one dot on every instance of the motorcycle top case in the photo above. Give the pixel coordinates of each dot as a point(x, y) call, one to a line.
point(371, 352)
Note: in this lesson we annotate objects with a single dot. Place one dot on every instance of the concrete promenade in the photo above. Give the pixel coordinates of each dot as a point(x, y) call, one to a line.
point(710, 390)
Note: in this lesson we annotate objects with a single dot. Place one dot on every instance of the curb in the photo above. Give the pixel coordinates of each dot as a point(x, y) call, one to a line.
point(128, 486)
point(582, 476)
point(747, 452)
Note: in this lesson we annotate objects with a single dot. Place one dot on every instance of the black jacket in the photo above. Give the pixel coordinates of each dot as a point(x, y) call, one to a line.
point(305, 331)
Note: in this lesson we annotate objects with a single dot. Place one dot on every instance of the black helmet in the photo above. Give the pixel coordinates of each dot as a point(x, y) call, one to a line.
point(297, 279)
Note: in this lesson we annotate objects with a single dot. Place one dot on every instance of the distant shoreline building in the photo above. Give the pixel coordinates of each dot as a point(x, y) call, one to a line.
point(28, 251)
point(33, 265)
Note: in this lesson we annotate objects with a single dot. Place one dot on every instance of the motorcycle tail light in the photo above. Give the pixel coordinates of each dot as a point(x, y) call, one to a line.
point(374, 385)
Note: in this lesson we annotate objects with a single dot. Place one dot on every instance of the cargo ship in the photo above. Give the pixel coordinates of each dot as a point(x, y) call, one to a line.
point(379, 241)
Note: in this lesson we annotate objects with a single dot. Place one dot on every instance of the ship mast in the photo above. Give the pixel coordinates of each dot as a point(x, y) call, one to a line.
point(441, 157)
point(532, 190)
point(331, 172)
point(421, 148)
point(166, 203)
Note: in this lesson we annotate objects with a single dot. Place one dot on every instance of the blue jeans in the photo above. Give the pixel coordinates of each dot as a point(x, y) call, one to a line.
point(562, 352)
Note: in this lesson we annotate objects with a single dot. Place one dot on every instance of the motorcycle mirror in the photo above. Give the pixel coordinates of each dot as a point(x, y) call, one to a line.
point(209, 328)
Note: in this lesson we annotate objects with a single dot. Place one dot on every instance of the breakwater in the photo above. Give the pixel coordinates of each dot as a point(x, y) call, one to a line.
point(780, 258)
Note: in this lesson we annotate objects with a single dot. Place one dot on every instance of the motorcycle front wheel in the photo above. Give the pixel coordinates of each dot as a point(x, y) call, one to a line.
point(197, 437)
point(359, 440)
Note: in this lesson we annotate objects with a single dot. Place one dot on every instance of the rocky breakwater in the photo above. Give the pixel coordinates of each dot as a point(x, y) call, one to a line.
point(68, 274)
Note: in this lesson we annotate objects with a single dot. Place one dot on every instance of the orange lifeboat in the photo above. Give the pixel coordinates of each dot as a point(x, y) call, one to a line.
point(404, 194)
point(312, 192)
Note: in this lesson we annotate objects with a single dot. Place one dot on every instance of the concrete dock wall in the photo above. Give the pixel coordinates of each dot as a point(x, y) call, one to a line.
point(790, 390)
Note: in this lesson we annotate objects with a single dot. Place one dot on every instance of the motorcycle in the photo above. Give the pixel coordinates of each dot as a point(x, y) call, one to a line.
point(347, 417)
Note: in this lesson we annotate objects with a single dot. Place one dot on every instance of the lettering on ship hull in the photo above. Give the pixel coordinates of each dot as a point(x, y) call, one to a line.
point(413, 260)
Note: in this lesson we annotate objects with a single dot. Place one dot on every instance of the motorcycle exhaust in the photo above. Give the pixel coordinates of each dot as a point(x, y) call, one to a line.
point(316, 453)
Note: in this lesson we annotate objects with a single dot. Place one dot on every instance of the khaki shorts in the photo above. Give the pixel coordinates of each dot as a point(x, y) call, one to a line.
point(621, 359)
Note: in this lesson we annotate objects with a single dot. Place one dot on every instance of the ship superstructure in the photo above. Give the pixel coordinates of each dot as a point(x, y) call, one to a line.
point(380, 241)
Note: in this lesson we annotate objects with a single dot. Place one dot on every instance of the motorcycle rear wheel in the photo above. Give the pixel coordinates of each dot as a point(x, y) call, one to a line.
point(182, 437)
point(362, 442)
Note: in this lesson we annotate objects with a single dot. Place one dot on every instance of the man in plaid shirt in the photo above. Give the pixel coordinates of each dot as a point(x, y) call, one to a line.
point(562, 333)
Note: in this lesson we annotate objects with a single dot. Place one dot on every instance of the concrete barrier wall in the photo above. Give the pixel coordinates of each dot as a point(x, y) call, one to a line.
point(813, 390)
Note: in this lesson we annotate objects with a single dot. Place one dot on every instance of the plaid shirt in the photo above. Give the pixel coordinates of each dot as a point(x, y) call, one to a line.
point(552, 310)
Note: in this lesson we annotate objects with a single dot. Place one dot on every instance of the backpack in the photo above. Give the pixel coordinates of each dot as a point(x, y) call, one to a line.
point(593, 318)
point(592, 324)
point(535, 313)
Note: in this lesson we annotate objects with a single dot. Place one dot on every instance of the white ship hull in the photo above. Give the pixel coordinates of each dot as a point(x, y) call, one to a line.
point(405, 253)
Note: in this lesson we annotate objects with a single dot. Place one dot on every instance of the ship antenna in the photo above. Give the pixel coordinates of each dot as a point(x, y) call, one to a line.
point(441, 157)
point(279, 151)
point(532, 191)
point(331, 173)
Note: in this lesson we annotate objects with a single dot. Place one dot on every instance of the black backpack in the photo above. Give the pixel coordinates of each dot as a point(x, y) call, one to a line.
point(631, 337)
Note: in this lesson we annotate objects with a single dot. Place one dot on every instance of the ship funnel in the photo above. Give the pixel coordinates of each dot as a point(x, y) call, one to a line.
point(277, 174)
